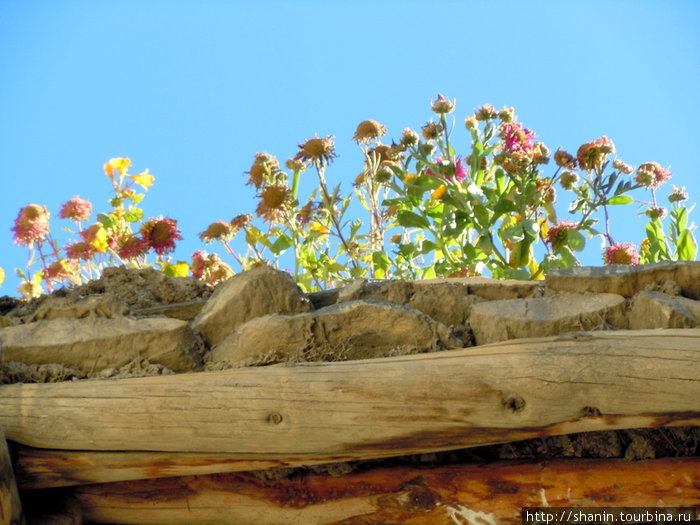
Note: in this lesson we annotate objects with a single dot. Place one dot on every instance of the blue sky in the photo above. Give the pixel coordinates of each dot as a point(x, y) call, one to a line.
point(192, 90)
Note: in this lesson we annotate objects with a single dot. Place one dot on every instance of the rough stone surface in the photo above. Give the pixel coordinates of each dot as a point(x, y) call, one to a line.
point(495, 321)
point(627, 280)
point(658, 310)
point(351, 330)
point(260, 291)
point(96, 343)
point(136, 288)
point(447, 301)
point(184, 311)
point(6, 321)
point(99, 305)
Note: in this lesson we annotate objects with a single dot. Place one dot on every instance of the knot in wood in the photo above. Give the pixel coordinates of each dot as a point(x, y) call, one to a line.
point(514, 403)
point(275, 418)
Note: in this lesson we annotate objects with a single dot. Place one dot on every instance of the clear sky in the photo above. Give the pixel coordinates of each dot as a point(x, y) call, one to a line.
point(192, 90)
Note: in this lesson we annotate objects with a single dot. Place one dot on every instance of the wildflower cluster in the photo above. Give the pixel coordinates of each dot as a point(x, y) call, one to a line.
point(119, 237)
point(422, 209)
point(488, 210)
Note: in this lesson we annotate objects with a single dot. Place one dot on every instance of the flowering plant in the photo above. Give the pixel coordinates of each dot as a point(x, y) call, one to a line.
point(118, 237)
point(421, 210)
point(444, 214)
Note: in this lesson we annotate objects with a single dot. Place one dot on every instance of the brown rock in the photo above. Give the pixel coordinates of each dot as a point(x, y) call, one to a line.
point(96, 343)
point(449, 303)
point(627, 280)
point(366, 329)
point(184, 311)
point(99, 305)
point(350, 330)
point(495, 321)
point(267, 339)
point(255, 293)
point(658, 310)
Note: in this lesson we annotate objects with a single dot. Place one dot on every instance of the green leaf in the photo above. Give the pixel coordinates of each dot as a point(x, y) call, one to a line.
point(281, 244)
point(116, 202)
point(484, 244)
point(427, 246)
point(513, 233)
point(575, 240)
point(106, 220)
point(179, 269)
point(504, 206)
point(483, 215)
point(687, 247)
point(136, 198)
point(620, 199)
point(408, 219)
point(407, 250)
point(133, 215)
point(531, 228)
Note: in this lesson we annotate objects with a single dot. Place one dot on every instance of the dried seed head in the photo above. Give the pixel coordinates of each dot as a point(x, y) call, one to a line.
point(368, 130)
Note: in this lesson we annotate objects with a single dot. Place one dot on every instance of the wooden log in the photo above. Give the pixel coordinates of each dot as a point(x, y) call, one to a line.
point(10, 506)
point(41, 469)
point(454, 494)
point(376, 408)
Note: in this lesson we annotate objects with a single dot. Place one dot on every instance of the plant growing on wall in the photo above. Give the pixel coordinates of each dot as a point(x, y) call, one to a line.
point(426, 205)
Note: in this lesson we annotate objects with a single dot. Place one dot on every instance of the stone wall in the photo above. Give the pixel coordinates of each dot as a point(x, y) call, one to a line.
point(139, 322)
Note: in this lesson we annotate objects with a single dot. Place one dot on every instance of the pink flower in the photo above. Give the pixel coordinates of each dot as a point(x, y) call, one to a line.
point(81, 250)
point(621, 253)
point(132, 248)
point(31, 224)
point(76, 209)
point(593, 154)
point(557, 234)
point(198, 264)
point(517, 139)
point(161, 234)
point(652, 175)
point(448, 170)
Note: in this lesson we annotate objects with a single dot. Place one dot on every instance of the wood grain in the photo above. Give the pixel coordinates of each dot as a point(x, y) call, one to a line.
point(376, 408)
point(10, 505)
point(454, 494)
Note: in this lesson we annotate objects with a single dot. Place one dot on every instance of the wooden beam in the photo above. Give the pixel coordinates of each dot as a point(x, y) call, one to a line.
point(41, 469)
point(376, 408)
point(10, 506)
point(454, 494)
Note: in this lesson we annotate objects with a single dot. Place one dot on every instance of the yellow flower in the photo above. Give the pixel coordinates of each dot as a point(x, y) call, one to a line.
point(144, 179)
point(439, 192)
point(409, 177)
point(119, 164)
point(2, 275)
point(317, 227)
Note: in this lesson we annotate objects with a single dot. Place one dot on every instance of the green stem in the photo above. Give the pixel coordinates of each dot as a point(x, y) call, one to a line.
point(331, 210)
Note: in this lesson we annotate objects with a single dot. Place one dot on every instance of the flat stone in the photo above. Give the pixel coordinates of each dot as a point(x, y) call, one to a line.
point(99, 305)
point(350, 330)
point(658, 310)
point(268, 339)
point(255, 293)
point(626, 280)
point(495, 321)
point(95, 343)
point(7, 321)
point(184, 311)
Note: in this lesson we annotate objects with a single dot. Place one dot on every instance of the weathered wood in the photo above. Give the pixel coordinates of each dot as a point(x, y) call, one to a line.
point(10, 506)
point(376, 408)
point(40, 469)
point(455, 494)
